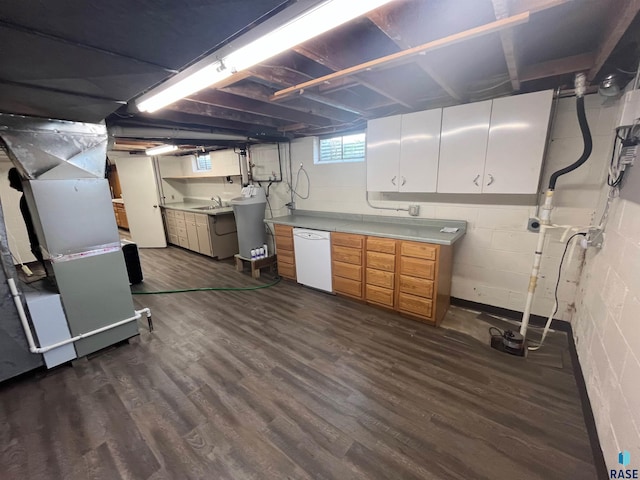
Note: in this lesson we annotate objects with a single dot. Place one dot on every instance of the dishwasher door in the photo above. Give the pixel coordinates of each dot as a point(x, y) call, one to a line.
point(313, 258)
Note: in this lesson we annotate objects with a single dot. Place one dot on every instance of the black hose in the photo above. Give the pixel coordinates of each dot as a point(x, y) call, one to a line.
point(588, 145)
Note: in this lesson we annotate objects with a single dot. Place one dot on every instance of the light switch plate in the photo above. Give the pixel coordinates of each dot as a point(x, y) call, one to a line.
point(414, 210)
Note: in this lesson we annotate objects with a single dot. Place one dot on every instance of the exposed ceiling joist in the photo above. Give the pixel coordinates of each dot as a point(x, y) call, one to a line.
point(263, 93)
point(404, 38)
point(281, 76)
point(243, 104)
point(206, 110)
point(318, 52)
point(620, 18)
point(501, 9)
point(560, 66)
point(407, 55)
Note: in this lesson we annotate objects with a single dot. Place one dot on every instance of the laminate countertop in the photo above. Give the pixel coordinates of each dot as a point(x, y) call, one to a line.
point(417, 230)
point(195, 207)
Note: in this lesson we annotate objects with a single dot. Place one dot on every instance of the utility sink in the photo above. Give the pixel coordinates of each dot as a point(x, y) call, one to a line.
point(209, 207)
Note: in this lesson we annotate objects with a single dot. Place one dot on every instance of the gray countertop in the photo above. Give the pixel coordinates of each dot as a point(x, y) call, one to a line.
point(419, 229)
point(193, 208)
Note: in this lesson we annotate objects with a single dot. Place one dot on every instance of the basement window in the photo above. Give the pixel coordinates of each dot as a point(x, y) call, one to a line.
point(202, 163)
point(343, 148)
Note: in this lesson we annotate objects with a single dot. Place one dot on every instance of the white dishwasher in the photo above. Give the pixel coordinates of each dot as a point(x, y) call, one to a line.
point(313, 258)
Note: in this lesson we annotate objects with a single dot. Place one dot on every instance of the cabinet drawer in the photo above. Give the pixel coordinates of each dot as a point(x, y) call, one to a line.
point(416, 305)
point(384, 245)
point(347, 255)
point(417, 267)
point(183, 241)
point(170, 213)
point(171, 222)
point(180, 223)
point(418, 250)
point(347, 240)
point(173, 239)
point(189, 217)
point(380, 278)
point(284, 243)
point(382, 296)
point(201, 219)
point(284, 230)
point(420, 287)
point(286, 256)
point(347, 270)
point(287, 270)
point(178, 214)
point(347, 287)
point(381, 261)
point(172, 230)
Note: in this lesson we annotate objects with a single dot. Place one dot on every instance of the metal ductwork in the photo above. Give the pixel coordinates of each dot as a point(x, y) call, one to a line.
point(63, 164)
point(44, 149)
point(171, 133)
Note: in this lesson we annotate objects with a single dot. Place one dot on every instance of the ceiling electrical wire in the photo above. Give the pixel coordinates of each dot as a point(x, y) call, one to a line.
point(508, 80)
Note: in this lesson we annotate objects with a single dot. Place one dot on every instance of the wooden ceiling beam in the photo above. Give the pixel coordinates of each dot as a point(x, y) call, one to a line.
point(204, 110)
point(318, 52)
point(560, 66)
point(244, 104)
point(501, 9)
point(285, 77)
point(405, 38)
point(621, 16)
point(263, 93)
point(407, 55)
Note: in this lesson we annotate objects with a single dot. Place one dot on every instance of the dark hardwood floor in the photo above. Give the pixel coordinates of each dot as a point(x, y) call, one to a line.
point(289, 383)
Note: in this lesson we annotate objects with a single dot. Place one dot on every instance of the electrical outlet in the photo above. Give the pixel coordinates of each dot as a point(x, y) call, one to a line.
point(414, 210)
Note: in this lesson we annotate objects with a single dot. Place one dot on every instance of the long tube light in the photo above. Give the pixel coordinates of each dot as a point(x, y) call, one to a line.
point(317, 20)
point(160, 149)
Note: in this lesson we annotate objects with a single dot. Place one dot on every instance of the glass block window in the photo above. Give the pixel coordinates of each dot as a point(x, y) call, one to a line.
point(203, 163)
point(343, 148)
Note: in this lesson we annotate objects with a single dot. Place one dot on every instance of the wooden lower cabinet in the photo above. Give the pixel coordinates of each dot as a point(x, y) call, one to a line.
point(413, 278)
point(121, 215)
point(285, 253)
point(347, 264)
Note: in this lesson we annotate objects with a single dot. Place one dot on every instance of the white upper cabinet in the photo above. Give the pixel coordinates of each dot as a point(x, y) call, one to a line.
point(517, 140)
point(402, 152)
point(463, 147)
point(383, 154)
point(419, 151)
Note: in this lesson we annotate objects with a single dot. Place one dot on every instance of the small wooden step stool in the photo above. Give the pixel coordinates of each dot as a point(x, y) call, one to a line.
point(256, 264)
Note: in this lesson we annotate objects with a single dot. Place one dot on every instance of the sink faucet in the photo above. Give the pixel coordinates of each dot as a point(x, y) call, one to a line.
point(218, 200)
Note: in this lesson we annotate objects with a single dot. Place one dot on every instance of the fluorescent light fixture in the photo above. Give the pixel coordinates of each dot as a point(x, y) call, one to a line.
point(317, 20)
point(160, 149)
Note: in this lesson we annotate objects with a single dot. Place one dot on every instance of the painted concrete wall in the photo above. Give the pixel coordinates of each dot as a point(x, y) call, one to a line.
point(607, 333)
point(492, 263)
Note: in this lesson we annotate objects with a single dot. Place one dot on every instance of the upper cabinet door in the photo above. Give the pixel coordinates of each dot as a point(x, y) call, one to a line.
point(517, 141)
point(463, 147)
point(419, 151)
point(383, 154)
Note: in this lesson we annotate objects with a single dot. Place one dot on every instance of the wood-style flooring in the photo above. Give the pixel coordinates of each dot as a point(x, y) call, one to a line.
point(289, 383)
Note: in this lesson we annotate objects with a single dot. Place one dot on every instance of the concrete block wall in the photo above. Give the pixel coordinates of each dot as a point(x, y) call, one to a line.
point(607, 333)
point(492, 263)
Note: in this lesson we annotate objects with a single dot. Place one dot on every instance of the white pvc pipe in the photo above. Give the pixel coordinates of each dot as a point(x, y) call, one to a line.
point(533, 280)
point(27, 329)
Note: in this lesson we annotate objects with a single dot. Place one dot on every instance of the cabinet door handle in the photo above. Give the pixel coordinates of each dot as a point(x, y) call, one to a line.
point(475, 180)
point(393, 180)
point(490, 180)
point(404, 180)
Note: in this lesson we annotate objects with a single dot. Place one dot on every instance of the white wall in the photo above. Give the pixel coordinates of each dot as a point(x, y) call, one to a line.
point(492, 263)
point(16, 231)
point(607, 332)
